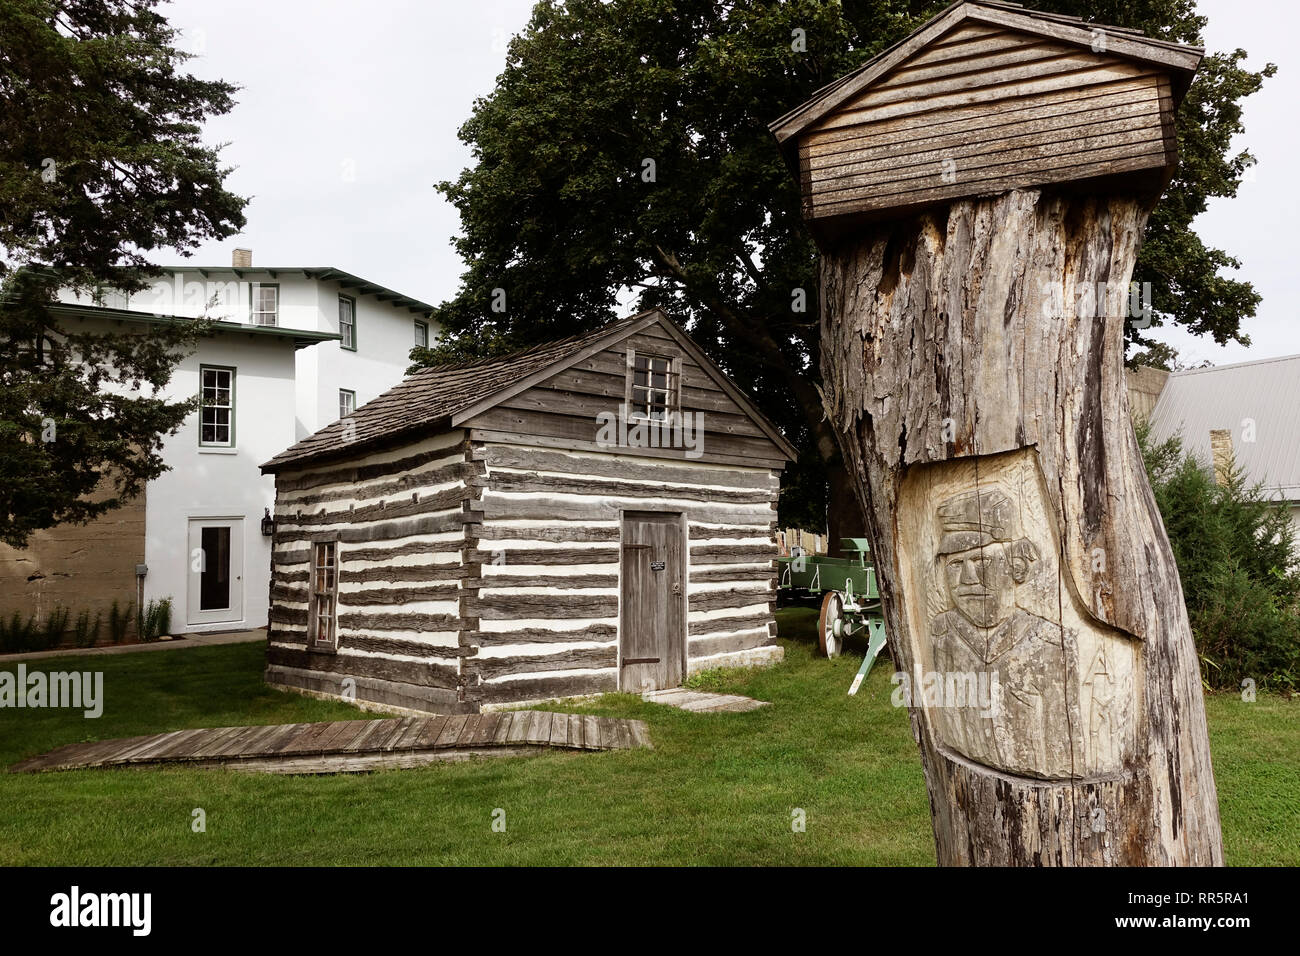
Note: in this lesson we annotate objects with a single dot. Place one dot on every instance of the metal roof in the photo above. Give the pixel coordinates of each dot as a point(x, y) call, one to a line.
point(1265, 393)
point(301, 337)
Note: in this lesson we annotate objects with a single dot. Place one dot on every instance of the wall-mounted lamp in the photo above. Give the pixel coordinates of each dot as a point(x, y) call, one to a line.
point(268, 524)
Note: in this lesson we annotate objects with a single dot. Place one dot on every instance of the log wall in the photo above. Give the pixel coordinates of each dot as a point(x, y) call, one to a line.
point(476, 574)
point(547, 599)
point(399, 518)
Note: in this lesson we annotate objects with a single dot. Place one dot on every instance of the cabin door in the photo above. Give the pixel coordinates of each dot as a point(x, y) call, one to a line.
point(652, 603)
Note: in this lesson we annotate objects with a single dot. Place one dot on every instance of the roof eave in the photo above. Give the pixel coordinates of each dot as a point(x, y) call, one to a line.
point(322, 274)
point(335, 453)
point(302, 338)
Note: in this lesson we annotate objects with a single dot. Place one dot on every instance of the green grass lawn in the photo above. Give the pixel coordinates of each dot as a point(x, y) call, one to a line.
point(717, 788)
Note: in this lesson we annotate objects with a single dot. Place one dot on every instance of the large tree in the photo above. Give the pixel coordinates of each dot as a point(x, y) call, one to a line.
point(625, 149)
point(101, 163)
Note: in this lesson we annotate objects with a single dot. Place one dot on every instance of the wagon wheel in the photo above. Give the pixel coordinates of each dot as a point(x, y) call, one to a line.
point(830, 625)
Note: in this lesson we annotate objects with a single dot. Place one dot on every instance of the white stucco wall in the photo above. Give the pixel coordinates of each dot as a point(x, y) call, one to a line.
point(222, 483)
point(384, 338)
point(219, 483)
point(385, 332)
point(282, 395)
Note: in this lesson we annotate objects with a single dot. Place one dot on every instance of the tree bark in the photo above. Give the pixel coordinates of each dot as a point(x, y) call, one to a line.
point(978, 398)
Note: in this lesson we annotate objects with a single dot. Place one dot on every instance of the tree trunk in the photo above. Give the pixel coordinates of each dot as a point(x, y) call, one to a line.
point(1029, 589)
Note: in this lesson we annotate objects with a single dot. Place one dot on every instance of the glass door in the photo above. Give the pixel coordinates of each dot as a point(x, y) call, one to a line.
point(216, 570)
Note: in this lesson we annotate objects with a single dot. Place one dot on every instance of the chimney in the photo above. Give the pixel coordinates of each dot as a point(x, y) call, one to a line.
point(242, 259)
point(1221, 453)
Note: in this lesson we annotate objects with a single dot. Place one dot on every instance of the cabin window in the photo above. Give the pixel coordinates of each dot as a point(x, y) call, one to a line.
point(652, 385)
point(348, 322)
point(322, 627)
point(347, 402)
point(217, 407)
point(422, 334)
point(265, 307)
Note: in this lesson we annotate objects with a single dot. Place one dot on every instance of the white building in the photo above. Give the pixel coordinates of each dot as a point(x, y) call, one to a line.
point(1255, 409)
point(293, 348)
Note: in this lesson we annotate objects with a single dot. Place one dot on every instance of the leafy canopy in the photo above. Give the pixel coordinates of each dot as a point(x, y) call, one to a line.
point(101, 162)
point(563, 211)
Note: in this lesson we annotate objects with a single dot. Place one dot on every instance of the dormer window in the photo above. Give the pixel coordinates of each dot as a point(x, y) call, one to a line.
point(653, 387)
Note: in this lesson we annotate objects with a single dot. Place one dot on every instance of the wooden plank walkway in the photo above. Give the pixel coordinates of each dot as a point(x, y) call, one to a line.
point(344, 746)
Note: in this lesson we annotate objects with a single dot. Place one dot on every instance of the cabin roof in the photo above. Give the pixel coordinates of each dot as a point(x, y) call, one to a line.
point(1124, 42)
point(446, 395)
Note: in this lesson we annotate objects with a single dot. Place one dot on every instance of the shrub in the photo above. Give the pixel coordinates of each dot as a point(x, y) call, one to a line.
point(16, 634)
point(1239, 567)
point(156, 620)
point(119, 620)
point(51, 629)
point(84, 633)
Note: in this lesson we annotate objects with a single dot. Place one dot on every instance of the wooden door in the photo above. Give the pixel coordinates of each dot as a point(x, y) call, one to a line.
point(652, 605)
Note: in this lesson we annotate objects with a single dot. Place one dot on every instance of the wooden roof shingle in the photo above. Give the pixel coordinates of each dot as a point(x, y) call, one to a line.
point(431, 396)
point(446, 396)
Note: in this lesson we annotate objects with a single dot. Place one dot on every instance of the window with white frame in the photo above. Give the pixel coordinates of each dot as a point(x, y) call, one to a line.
point(422, 334)
point(321, 626)
point(347, 402)
point(652, 389)
point(216, 406)
point(265, 308)
point(348, 322)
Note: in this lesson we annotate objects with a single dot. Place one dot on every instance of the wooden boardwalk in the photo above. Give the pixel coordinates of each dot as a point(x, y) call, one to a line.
point(344, 746)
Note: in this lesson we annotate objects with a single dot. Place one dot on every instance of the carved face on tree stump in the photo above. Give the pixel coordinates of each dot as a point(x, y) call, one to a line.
point(1014, 676)
point(981, 564)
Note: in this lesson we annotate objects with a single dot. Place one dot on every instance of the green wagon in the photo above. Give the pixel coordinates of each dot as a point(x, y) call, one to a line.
point(850, 598)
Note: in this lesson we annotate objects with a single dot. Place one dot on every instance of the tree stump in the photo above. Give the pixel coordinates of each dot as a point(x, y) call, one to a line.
point(978, 192)
point(972, 364)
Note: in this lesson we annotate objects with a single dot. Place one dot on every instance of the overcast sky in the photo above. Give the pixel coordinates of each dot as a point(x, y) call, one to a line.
point(349, 111)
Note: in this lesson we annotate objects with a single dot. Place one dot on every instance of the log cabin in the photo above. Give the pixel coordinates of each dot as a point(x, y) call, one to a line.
point(591, 515)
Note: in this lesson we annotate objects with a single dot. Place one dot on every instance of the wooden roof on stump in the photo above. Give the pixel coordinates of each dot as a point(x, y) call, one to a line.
point(446, 396)
point(983, 98)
